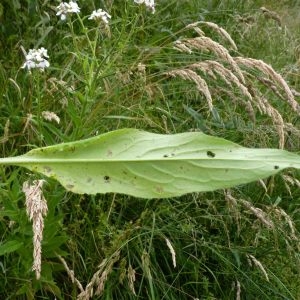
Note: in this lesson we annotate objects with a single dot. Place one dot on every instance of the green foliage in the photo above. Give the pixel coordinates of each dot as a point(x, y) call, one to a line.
point(95, 84)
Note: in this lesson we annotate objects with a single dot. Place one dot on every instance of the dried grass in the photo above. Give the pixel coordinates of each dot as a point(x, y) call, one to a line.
point(178, 45)
point(276, 117)
point(207, 44)
point(290, 181)
point(238, 290)
point(278, 213)
point(269, 14)
point(235, 211)
point(5, 136)
point(172, 251)
point(99, 278)
point(228, 68)
point(36, 209)
point(195, 27)
point(210, 67)
point(258, 264)
point(131, 279)
point(270, 85)
point(260, 214)
point(221, 31)
point(276, 78)
point(71, 274)
point(190, 75)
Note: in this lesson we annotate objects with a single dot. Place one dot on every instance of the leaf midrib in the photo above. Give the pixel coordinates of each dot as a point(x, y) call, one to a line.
point(22, 160)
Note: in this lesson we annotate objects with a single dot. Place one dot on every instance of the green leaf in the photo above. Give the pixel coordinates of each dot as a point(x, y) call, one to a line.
point(10, 246)
point(148, 165)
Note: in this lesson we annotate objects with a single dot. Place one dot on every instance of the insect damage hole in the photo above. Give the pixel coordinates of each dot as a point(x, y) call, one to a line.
point(106, 179)
point(210, 154)
point(276, 167)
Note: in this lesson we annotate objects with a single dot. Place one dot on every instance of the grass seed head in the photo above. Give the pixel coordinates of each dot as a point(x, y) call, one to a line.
point(36, 208)
point(131, 279)
point(201, 84)
point(260, 214)
point(273, 75)
point(269, 14)
point(97, 283)
point(172, 251)
point(207, 44)
point(258, 264)
point(222, 32)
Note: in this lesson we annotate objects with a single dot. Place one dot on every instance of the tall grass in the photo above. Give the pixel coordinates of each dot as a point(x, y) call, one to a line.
point(192, 65)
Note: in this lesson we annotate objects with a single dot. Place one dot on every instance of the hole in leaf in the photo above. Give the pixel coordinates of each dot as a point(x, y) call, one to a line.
point(210, 154)
point(276, 167)
point(169, 155)
point(106, 179)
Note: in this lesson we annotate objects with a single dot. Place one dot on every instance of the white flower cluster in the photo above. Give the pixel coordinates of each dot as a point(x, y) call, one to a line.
point(101, 15)
point(149, 3)
point(36, 59)
point(64, 9)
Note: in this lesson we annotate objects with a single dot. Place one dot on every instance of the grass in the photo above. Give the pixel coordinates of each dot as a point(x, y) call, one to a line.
point(235, 244)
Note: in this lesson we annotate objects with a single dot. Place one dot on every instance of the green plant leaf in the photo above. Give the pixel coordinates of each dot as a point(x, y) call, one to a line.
point(10, 246)
point(149, 165)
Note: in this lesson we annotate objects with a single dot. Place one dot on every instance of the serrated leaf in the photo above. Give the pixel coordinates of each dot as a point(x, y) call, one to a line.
point(149, 165)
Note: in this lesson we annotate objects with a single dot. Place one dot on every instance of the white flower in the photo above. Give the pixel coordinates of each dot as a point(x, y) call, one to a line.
point(100, 14)
point(74, 8)
point(64, 8)
point(149, 3)
point(36, 58)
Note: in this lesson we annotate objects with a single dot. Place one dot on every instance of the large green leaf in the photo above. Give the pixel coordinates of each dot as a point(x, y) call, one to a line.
point(151, 165)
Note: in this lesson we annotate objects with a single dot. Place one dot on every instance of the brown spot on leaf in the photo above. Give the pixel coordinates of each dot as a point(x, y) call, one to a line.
point(72, 149)
point(159, 189)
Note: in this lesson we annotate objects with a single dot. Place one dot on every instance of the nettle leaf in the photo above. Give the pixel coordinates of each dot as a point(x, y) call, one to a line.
point(149, 165)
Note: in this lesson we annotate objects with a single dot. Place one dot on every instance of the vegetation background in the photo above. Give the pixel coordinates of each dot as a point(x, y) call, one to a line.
point(242, 243)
